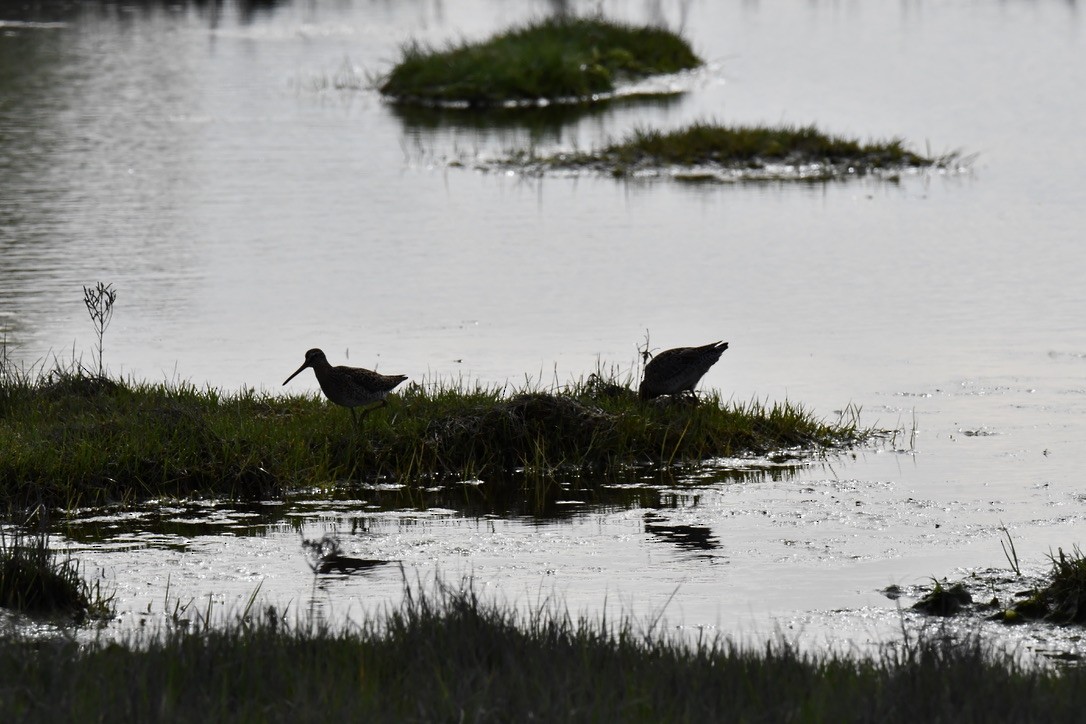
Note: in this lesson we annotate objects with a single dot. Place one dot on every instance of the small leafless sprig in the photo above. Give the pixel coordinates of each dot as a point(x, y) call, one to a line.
point(99, 300)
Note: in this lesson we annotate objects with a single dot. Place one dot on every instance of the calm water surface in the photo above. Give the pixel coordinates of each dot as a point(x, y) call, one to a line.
point(247, 209)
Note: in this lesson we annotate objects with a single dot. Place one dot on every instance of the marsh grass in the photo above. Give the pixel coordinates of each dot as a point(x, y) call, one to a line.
point(723, 152)
point(37, 581)
point(561, 58)
point(447, 655)
point(706, 143)
point(1009, 551)
point(1062, 600)
point(1066, 594)
point(70, 439)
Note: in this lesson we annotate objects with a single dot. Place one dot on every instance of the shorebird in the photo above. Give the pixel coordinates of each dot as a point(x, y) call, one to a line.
point(678, 370)
point(350, 387)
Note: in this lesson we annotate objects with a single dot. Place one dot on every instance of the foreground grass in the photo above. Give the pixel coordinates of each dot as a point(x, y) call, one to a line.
point(446, 656)
point(724, 152)
point(562, 58)
point(73, 439)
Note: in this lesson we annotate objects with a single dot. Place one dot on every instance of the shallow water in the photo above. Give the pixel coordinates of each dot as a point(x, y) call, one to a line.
point(247, 210)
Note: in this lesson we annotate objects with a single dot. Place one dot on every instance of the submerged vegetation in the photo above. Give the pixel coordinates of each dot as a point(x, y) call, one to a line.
point(69, 438)
point(712, 151)
point(448, 656)
point(563, 58)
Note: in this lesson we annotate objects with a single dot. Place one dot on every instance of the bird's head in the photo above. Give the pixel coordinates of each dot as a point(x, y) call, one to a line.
point(313, 357)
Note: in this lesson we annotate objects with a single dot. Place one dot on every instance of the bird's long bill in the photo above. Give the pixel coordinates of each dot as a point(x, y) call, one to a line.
point(306, 364)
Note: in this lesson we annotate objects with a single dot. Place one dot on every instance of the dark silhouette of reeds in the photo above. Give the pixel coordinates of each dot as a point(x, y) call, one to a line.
point(448, 655)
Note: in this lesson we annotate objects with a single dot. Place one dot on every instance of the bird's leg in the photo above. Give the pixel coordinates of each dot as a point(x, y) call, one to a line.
point(368, 410)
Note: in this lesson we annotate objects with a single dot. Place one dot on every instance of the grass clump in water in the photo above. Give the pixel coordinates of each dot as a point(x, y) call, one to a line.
point(944, 600)
point(1062, 601)
point(33, 580)
point(727, 152)
point(560, 58)
point(448, 656)
point(70, 439)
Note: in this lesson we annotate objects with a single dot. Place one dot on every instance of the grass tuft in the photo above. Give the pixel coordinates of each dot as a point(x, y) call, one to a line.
point(1066, 594)
point(35, 581)
point(1062, 601)
point(560, 58)
point(944, 600)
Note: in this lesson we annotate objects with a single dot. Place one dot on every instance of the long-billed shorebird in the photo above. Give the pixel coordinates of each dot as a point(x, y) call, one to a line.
point(350, 387)
point(678, 370)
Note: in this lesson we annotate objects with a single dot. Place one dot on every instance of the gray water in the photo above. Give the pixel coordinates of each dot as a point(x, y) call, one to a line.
point(247, 209)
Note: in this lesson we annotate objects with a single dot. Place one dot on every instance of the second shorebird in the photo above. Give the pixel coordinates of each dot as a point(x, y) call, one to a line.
point(350, 387)
point(679, 370)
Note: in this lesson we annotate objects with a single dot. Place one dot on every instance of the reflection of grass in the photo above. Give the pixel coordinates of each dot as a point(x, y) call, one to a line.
point(747, 150)
point(558, 58)
point(542, 124)
point(447, 656)
point(69, 439)
point(34, 581)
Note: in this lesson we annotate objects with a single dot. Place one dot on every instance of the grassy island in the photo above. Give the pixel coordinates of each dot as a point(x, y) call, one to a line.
point(78, 439)
point(447, 656)
point(714, 152)
point(566, 58)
